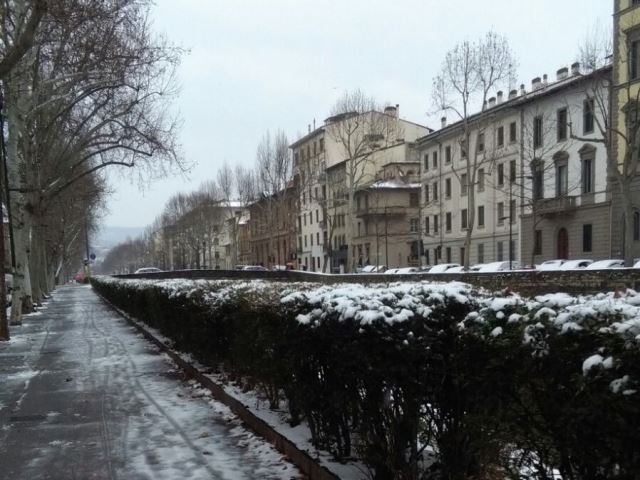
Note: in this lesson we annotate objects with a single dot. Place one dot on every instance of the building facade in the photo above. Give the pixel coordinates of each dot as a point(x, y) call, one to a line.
point(538, 169)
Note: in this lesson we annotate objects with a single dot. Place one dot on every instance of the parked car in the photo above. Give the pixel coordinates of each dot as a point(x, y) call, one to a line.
point(407, 270)
point(476, 267)
point(380, 269)
point(392, 271)
point(425, 268)
point(458, 269)
point(279, 268)
point(551, 265)
point(254, 268)
point(636, 264)
point(498, 267)
point(606, 264)
point(147, 270)
point(443, 267)
point(368, 269)
point(576, 264)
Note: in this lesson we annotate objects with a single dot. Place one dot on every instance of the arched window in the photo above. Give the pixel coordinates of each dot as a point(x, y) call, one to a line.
point(636, 226)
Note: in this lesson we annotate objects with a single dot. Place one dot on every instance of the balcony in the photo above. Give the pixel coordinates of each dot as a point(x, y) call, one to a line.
point(381, 211)
point(556, 206)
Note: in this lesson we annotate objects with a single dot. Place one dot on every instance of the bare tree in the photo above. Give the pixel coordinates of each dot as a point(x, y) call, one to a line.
point(470, 71)
point(360, 128)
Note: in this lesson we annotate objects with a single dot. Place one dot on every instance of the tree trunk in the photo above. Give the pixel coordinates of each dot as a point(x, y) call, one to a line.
point(627, 209)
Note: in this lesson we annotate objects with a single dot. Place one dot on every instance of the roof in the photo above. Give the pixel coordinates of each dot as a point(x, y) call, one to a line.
point(543, 91)
point(308, 136)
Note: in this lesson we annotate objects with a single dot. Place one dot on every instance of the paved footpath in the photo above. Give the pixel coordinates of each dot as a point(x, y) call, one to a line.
point(83, 396)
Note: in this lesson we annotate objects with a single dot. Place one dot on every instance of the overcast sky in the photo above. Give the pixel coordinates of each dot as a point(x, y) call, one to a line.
point(257, 65)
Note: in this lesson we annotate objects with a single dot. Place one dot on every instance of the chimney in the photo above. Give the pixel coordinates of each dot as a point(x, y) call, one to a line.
point(500, 97)
point(397, 110)
point(492, 102)
point(391, 111)
point(314, 124)
point(545, 80)
point(562, 73)
point(443, 122)
point(575, 68)
point(308, 128)
point(513, 94)
point(536, 83)
point(522, 90)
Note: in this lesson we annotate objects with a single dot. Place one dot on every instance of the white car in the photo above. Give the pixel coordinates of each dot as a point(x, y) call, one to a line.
point(443, 267)
point(576, 264)
point(148, 270)
point(406, 270)
point(476, 267)
point(392, 271)
point(637, 264)
point(606, 264)
point(459, 269)
point(551, 265)
point(368, 269)
point(254, 268)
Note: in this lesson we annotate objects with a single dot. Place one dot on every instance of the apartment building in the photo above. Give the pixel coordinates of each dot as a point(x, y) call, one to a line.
point(272, 229)
point(539, 191)
point(388, 218)
point(625, 119)
point(331, 164)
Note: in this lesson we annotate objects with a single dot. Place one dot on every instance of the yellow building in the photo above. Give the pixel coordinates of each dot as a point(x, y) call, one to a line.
point(625, 131)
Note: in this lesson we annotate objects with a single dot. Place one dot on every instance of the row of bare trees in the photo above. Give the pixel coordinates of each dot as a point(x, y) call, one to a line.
point(86, 87)
point(190, 230)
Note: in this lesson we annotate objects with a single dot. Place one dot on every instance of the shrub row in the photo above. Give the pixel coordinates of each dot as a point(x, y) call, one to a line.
point(423, 380)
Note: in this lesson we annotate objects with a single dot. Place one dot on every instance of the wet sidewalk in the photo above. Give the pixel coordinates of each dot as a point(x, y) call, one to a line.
point(84, 396)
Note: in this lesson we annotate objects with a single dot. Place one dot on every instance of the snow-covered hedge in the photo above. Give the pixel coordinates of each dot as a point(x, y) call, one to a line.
point(487, 384)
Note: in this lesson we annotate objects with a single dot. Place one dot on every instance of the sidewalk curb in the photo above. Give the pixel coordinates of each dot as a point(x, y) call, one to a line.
point(299, 458)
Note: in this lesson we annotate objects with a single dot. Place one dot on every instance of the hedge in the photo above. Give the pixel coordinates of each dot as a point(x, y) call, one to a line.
point(423, 380)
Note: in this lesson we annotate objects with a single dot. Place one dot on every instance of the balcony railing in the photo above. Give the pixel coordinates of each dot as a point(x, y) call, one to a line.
point(381, 211)
point(548, 206)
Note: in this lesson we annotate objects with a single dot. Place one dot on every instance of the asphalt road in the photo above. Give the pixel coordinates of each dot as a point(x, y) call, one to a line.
point(83, 396)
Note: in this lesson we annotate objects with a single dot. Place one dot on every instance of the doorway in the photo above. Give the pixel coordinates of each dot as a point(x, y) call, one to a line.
point(563, 244)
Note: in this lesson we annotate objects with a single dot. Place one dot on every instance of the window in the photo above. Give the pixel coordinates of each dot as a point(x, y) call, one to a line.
point(426, 226)
point(304, 217)
point(500, 174)
point(435, 191)
point(427, 256)
point(537, 132)
point(481, 180)
point(561, 124)
point(562, 177)
point(463, 184)
point(447, 154)
point(500, 213)
point(448, 250)
point(317, 216)
point(463, 219)
point(587, 237)
point(435, 160)
point(426, 161)
point(500, 253)
point(512, 132)
point(311, 237)
point(636, 226)
point(299, 243)
point(587, 175)
point(426, 193)
point(314, 148)
point(414, 199)
point(463, 149)
point(512, 211)
point(481, 253)
point(322, 144)
point(436, 224)
point(317, 238)
point(634, 59)
point(500, 136)
point(481, 216)
point(587, 116)
point(305, 241)
point(448, 221)
point(447, 188)
point(538, 180)
point(537, 243)
point(512, 171)
point(481, 142)
point(414, 225)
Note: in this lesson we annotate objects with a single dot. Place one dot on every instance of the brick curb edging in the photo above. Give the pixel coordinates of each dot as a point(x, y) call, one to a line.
point(299, 458)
